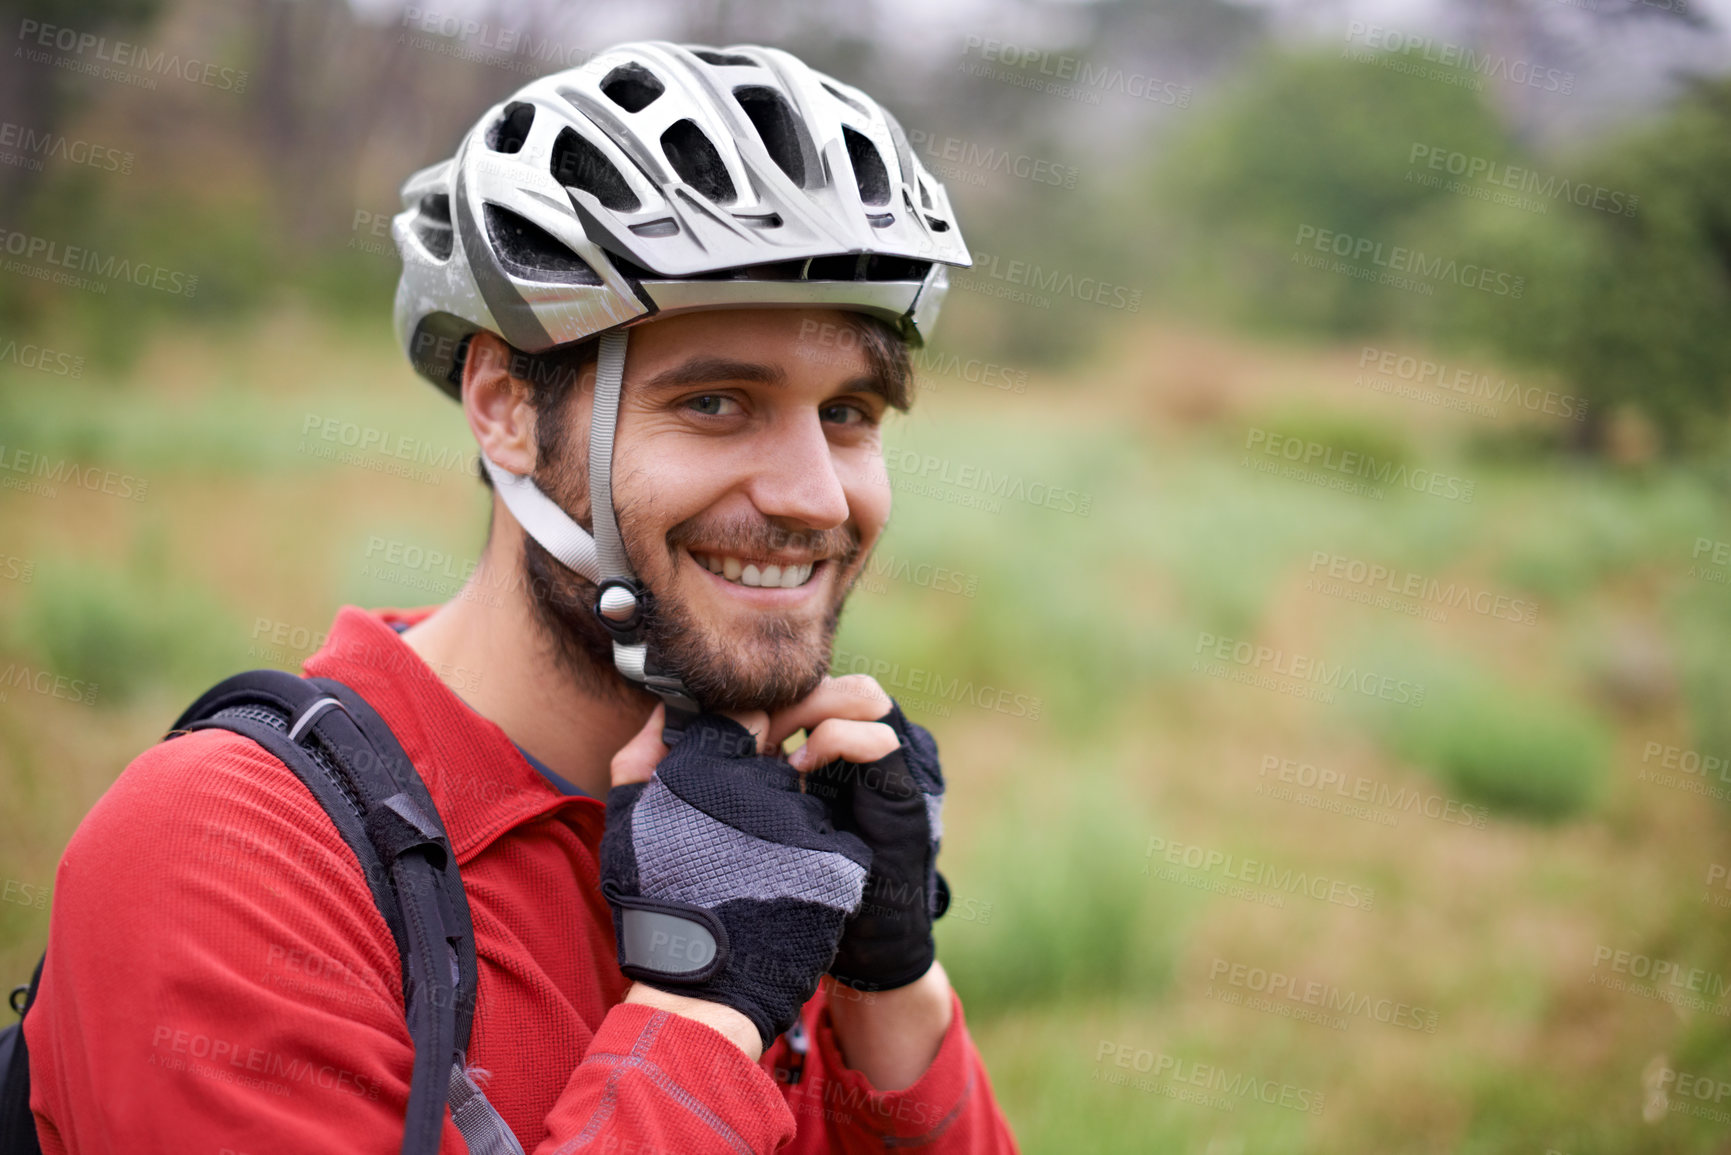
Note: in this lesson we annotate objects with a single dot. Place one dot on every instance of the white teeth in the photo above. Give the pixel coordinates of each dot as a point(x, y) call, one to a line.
point(785, 577)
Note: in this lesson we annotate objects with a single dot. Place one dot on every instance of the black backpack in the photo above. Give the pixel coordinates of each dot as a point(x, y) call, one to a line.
point(348, 758)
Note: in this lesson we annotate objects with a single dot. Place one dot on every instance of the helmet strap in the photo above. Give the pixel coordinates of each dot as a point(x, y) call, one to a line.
point(623, 605)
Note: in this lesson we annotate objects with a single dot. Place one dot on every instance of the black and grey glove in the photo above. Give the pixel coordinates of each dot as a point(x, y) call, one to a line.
point(727, 883)
point(894, 805)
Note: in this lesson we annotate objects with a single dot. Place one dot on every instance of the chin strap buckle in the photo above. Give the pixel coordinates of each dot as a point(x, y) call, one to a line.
point(623, 607)
point(682, 708)
point(681, 712)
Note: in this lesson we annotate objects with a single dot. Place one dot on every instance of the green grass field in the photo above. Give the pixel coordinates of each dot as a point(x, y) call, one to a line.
point(1155, 815)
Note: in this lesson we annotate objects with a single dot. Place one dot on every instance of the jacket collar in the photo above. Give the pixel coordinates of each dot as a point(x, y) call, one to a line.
point(477, 777)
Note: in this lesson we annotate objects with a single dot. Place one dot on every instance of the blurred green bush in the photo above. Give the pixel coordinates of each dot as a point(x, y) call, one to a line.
point(126, 629)
point(1524, 753)
point(1035, 877)
point(1623, 252)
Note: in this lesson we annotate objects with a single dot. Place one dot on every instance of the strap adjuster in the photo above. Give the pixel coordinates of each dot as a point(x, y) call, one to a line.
point(397, 825)
point(305, 719)
point(623, 607)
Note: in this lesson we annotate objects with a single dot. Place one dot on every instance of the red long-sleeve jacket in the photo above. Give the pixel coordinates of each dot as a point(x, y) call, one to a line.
point(219, 981)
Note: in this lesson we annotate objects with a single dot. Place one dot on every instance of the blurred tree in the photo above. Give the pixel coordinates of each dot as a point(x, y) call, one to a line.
point(38, 97)
point(1630, 307)
point(1555, 34)
point(1310, 142)
point(324, 82)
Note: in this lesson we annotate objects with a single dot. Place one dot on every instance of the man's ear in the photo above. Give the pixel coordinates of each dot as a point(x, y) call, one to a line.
point(498, 406)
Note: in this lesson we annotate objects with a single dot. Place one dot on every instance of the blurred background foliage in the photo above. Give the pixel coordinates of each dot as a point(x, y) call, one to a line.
point(1196, 203)
point(278, 199)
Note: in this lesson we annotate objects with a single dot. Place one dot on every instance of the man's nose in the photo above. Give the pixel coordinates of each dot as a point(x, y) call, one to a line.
point(796, 476)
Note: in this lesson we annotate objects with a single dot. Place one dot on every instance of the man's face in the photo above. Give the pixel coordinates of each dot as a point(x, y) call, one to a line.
point(749, 486)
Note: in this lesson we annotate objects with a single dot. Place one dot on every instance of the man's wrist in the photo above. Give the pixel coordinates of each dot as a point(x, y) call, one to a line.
point(733, 1025)
point(891, 1037)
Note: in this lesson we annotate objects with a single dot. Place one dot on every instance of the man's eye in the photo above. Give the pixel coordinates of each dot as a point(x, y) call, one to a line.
point(713, 405)
point(847, 414)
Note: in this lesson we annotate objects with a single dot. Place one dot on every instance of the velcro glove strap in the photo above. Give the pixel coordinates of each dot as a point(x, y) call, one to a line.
point(667, 942)
point(728, 883)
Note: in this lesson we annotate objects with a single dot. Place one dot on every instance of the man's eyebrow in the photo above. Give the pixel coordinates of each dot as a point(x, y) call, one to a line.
point(702, 370)
point(865, 383)
point(710, 370)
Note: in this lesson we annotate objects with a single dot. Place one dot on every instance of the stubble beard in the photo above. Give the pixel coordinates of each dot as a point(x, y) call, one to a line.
point(773, 661)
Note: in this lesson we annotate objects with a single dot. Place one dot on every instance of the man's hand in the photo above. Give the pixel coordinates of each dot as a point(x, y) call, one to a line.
point(879, 773)
point(728, 885)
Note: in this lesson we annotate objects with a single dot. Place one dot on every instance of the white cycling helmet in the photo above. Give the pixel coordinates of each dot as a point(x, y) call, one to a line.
point(654, 179)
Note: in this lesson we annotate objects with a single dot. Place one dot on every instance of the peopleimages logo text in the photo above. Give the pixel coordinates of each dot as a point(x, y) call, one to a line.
point(47, 251)
point(40, 474)
point(1378, 578)
point(1313, 992)
point(1400, 259)
point(1353, 463)
point(1521, 179)
point(1075, 76)
point(969, 476)
point(124, 54)
point(35, 145)
point(935, 686)
point(514, 49)
point(1492, 66)
point(1661, 971)
point(966, 160)
point(1166, 1072)
point(1470, 383)
point(1256, 872)
point(1304, 668)
point(1057, 282)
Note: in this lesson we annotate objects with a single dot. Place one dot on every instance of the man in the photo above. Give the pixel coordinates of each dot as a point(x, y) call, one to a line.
point(670, 289)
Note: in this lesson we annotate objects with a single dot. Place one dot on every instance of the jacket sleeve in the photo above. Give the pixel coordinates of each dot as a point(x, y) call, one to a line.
point(654, 1083)
point(949, 1110)
point(218, 977)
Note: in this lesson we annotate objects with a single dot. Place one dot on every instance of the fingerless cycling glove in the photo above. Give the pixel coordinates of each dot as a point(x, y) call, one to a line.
point(727, 883)
point(894, 805)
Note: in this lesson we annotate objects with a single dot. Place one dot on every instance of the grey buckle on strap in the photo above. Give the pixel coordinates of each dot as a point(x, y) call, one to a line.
point(481, 1127)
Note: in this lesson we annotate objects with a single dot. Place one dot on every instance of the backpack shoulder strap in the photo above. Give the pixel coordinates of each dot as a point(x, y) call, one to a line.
point(345, 754)
point(17, 1122)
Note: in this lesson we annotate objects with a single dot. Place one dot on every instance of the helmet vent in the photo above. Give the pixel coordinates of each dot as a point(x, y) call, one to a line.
point(868, 168)
point(432, 224)
point(578, 163)
point(938, 225)
point(529, 251)
point(512, 128)
point(925, 195)
point(777, 126)
point(866, 267)
point(697, 162)
point(632, 87)
point(724, 59)
point(846, 99)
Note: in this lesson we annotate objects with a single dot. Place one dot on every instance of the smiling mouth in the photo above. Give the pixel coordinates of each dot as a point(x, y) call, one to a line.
point(758, 573)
